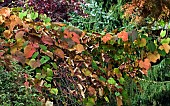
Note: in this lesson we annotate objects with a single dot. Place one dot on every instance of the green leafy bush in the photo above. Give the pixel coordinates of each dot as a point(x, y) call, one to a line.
point(12, 89)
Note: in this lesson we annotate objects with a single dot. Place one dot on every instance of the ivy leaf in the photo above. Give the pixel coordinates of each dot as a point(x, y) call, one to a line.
point(167, 40)
point(47, 20)
point(101, 78)
point(5, 11)
point(111, 81)
point(47, 85)
point(44, 59)
point(121, 80)
point(49, 72)
point(22, 14)
point(54, 91)
point(106, 38)
point(34, 15)
point(163, 33)
point(29, 51)
point(7, 34)
point(43, 47)
point(145, 65)
point(75, 37)
point(35, 55)
point(106, 99)
point(117, 93)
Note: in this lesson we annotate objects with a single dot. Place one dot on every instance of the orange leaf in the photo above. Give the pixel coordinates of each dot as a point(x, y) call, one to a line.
point(145, 64)
point(34, 64)
point(119, 101)
point(165, 47)
point(79, 48)
point(29, 51)
point(123, 35)
point(59, 53)
point(7, 34)
point(106, 38)
point(153, 57)
point(5, 11)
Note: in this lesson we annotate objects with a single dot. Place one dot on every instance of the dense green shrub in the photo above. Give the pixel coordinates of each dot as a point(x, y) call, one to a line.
point(12, 89)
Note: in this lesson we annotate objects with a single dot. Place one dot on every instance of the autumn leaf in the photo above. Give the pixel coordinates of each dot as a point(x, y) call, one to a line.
point(59, 53)
point(5, 11)
point(1, 20)
point(75, 37)
point(91, 91)
point(142, 42)
point(165, 47)
point(145, 65)
point(19, 56)
point(14, 21)
point(47, 40)
point(106, 38)
point(29, 51)
point(26, 84)
point(19, 35)
point(79, 48)
point(34, 64)
point(7, 34)
point(123, 35)
point(153, 57)
point(119, 101)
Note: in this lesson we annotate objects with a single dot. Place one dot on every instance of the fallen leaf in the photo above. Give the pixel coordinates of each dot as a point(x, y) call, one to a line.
point(91, 91)
point(29, 51)
point(5, 11)
point(7, 34)
point(75, 37)
point(106, 38)
point(123, 35)
point(119, 101)
point(79, 48)
point(34, 64)
point(59, 53)
point(47, 40)
point(26, 84)
point(145, 65)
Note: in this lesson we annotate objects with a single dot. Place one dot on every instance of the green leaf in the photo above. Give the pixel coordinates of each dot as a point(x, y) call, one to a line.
point(47, 85)
point(38, 76)
point(117, 93)
point(44, 48)
point(101, 78)
point(162, 52)
point(44, 59)
point(34, 15)
point(22, 14)
point(49, 79)
point(121, 80)
point(47, 20)
point(111, 81)
point(35, 55)
point(106, 99)
point(49, 72)
point(94, 65)
point(151, 46)
point(54, 91)
point(163, 33)
point(167, 40)
point(54, 66)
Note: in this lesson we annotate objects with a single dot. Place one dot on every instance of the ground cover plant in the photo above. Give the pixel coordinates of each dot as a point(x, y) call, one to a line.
point(99, 63)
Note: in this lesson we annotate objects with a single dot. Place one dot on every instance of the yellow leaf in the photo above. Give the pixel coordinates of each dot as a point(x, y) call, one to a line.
point(5, 11)
point(165, 47)
point(7, 34)
point(153, 57)
point(142, 42)
point(86, 72)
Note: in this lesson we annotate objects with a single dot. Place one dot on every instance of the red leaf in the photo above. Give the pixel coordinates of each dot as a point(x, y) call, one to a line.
point(29, 51)
point(76, 37)
point(47, 40)
point(26, 84)
point(123, 35)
